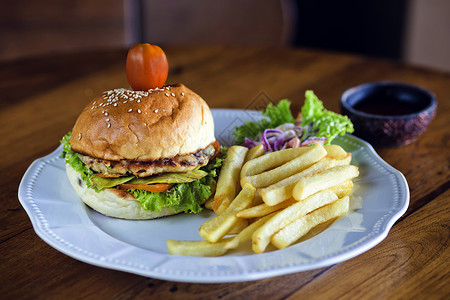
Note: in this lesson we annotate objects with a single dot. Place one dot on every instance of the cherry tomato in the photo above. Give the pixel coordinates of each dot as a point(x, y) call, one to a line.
point(146, 67)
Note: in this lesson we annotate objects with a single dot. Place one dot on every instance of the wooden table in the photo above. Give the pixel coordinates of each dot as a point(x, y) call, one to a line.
point(41, 98)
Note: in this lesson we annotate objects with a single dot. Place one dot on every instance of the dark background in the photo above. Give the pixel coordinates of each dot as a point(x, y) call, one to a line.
point(377, 28)
point(373, 28)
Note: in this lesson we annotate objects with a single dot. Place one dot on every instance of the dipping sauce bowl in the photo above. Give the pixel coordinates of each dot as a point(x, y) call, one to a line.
point(388, 113)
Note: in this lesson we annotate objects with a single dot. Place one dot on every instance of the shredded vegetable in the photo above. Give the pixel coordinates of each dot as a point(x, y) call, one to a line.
point(284, 136)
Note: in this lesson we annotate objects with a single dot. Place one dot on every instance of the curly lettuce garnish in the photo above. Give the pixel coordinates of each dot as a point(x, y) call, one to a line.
point(276, 115)
point(71, 158)
point(324, 123)
point(280, 130)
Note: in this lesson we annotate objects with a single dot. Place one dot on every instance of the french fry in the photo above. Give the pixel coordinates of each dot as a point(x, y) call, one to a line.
point(257, 200)
point(263, 209)
point(217, 227)
point(307, 186)
point(209, 203)
point(335, 151)
point(229, 176)
point(343, 189)
point(344, 161)
point(238, 226)
point(271, 160)
point(275, 198)
point(261, 237)
point(282, 190)
point(197, 248)
point(295, 230)
point(246, 233)
point(254, 152)
point(312, 155)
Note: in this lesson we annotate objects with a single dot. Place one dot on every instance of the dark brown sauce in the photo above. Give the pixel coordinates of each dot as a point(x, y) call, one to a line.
point(386, 106)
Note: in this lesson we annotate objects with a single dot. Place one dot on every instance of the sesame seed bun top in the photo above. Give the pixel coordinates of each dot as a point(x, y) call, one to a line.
point(143, 125)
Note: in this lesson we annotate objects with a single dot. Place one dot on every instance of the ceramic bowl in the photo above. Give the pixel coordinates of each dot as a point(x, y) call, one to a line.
point(388, 113)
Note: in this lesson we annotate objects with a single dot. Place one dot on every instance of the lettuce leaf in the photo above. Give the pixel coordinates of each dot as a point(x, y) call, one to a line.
point(315, 119)
point(182, 196)
point(276, 115)
point(71, 158)
point(324, 123)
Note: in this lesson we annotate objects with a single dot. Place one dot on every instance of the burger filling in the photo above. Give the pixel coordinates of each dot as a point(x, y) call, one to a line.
point(179, 163)
point(182, 182)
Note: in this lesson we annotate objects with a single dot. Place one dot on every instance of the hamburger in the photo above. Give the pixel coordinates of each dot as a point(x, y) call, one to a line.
point(143, 154)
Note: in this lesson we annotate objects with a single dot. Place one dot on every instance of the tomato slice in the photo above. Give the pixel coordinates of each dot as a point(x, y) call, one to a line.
point(156, 188)
point(216, 150)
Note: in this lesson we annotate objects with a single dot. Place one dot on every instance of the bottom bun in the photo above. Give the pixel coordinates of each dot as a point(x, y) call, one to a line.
point(107, 202)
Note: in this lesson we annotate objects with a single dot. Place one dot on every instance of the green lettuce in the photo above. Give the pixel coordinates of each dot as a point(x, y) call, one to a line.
point(325, 123)
point(71, 158)
point(276, 115)
point(182, 196)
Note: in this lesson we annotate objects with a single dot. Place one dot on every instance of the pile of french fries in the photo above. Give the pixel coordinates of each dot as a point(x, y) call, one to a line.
point(274, 198)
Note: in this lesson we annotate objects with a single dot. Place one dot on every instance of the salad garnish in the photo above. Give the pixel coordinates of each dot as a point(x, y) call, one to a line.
point(280, 130)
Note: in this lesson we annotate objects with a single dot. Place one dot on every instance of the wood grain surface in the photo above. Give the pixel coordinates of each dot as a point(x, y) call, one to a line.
point(41, 98)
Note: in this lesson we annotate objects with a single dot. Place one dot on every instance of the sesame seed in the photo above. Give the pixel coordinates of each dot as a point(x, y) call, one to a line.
point(173, 94)
point(139, 111)
point(79, 136)
point(109, 125)
point(123, 95)
point(106, 114)
point(130, 110)
point(182, 94)
point(155, 111)
point(138, 101)
point(107, 119)
point(167, 94)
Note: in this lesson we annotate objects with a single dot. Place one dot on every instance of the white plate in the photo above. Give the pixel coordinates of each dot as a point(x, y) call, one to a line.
point(60, 219)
